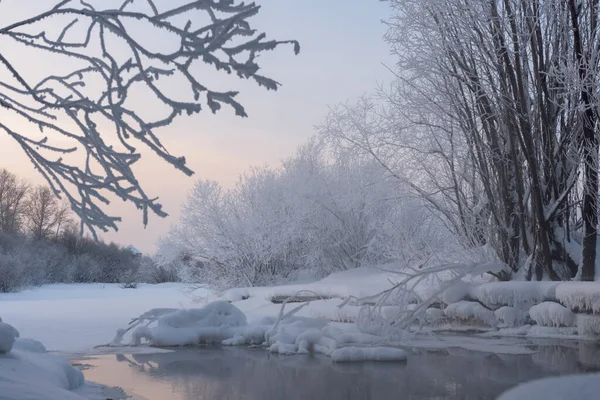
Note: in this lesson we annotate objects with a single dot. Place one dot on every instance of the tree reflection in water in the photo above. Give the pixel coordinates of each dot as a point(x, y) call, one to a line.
point(253, 374)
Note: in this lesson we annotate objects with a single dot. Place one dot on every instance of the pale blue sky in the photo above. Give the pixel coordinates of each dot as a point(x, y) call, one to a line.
point(341, 58)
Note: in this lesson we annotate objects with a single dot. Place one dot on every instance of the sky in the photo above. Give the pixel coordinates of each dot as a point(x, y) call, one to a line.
point(342, 56)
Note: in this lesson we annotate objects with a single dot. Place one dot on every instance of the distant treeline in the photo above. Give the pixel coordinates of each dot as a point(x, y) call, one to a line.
point(40, 242)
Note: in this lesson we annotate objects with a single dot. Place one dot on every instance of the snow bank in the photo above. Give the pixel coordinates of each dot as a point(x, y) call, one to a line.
point(521, 295)
point(584, 386)
point(222, 322)
point(470, 311)
point(28, 372)
point(353, 354)
point(550, 313)
point(580, 296)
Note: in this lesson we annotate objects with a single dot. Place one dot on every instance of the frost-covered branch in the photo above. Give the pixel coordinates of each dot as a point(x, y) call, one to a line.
point(104, 60)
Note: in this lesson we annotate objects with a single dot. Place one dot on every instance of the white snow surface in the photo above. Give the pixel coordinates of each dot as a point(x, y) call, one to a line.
point(549, 313)
point(572, 387)
point(28, 372)
point(358, 282)
point(76, 317)
point(583, 296)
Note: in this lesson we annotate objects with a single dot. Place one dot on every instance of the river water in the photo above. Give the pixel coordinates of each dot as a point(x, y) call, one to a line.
point(254, 374)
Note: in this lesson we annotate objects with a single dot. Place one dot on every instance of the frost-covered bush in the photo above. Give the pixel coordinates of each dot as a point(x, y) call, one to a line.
point(66, 259)
point(318, 211)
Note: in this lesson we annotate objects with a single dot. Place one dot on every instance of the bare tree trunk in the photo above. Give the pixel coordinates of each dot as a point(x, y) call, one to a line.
point(590, 148)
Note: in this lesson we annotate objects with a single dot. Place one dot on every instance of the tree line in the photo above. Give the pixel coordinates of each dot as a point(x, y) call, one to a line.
point(40, 242)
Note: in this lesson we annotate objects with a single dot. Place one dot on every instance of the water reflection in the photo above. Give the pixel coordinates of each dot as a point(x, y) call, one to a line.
point(253, 374)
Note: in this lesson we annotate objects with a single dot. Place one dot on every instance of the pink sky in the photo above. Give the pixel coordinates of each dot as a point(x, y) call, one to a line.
point(341, 58)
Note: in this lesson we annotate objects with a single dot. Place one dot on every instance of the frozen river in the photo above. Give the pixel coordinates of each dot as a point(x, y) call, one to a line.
point(254, 374)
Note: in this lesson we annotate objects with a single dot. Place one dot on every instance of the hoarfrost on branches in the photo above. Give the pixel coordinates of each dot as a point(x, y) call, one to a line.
point(107, 54)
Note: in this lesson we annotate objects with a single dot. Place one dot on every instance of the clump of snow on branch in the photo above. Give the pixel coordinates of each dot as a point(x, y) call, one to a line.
point(550, 313)
point(514, 294)
point(583, 296)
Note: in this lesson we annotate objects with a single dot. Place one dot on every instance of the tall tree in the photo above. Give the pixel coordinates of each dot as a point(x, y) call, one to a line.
point(45, 214)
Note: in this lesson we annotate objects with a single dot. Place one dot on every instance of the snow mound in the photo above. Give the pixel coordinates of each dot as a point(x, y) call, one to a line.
point(354, 354)
point(588, 325)
point(212, 323)
point(582, 296)
point(553, 314)
point(27, 372)
point(521, 295)
point(511, 317)
point(584, 386)
point(470, 311)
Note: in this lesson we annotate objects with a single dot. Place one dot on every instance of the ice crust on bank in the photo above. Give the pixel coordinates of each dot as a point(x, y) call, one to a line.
point(552, 314)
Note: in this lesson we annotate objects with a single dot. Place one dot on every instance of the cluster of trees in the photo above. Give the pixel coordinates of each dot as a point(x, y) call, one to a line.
point(40, 242)
point(317, 212)
point(493, 121)
point(491, 128)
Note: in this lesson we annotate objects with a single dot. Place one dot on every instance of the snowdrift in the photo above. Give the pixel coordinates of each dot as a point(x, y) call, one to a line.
point(28, 372)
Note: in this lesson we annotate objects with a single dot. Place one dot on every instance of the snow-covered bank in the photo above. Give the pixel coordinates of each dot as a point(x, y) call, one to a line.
point(28, 372)
point(76, 317)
